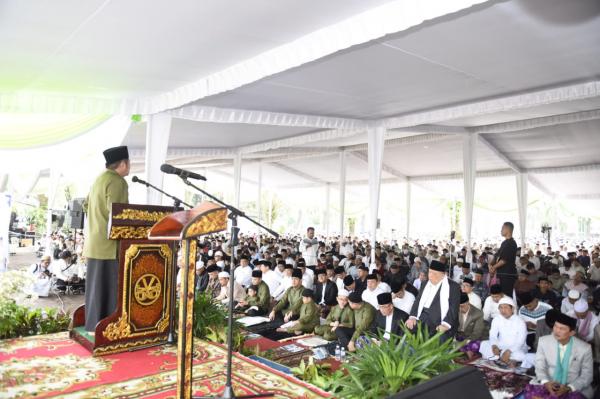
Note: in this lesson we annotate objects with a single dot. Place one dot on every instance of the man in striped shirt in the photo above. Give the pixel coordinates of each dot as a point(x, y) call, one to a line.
point(532, 311)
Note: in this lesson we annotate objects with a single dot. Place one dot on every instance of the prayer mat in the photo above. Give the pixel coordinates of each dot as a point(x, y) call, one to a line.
point(47, 366)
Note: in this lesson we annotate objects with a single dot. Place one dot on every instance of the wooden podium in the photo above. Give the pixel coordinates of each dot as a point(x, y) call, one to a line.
point(146, 285)
point(186, 226)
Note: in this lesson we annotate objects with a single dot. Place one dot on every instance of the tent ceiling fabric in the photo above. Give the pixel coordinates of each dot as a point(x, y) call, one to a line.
point(430, 71)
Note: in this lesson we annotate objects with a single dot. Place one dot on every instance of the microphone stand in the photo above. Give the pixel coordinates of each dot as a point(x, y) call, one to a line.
point(228, 392)
point(176, 207)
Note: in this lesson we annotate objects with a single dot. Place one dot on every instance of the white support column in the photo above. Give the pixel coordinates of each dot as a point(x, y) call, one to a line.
point(237, 178)
point(259, 202)
point(522, 205)
point(259, 193)
point(5, 211)
point(52, 190)
point(158, 130)
point(408, 202)
point(469, 176)
point(342, 190)
point(326, 211)
point(376, 136)
point(3, 182)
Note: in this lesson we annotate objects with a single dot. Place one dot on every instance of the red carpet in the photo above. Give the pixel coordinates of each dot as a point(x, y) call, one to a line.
point(55, 366)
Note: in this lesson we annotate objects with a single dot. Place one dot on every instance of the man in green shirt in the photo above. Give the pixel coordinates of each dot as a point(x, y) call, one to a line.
point(263, 296)
point(340, 315)
point(289, 306)
point(364, 314)
point(101, 253)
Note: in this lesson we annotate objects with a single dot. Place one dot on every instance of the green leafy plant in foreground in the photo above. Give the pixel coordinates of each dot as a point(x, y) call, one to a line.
point(319, 375)
point(210, 322)
point(378, 371)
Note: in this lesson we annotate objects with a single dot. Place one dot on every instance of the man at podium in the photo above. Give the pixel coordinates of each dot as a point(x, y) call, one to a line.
point(101, 253)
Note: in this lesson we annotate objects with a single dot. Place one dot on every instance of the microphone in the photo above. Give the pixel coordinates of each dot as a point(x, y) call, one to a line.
point(184, 174)
point(135, 179)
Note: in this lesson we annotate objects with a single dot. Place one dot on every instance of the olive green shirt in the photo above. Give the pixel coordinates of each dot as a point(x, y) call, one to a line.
point(108, 188)
point(291, 301)
point(264, 297)
point(363, 318)
point(345, 316)
point(308, 318)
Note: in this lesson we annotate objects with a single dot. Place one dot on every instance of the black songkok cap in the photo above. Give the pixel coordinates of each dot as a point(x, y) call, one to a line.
point(212, 269)
point(339, 270)
point(495, 289)
point(355, 297)
point(526, 298)
point(566, 320)
point(348, 280)
point(288, 266)
point(437, 266)
point(464, 298)
point(308, 292)
point(115, 154)
point(384, 298)
point(297, 273)
point(319, 271)
point(256, 273)
point(468, 281)
point(371, 276)
point(396, 286)
point(363, 267)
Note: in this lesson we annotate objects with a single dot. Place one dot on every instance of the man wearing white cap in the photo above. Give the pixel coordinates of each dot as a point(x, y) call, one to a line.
point(238, 292)
point(508, 336)
point(568, 304)
point(586, 320)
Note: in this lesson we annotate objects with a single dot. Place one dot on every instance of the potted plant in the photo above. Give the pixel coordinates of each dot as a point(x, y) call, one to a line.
point(397, 365)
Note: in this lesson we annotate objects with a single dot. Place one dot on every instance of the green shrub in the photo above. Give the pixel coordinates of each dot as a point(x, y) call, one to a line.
point(20, 321)
point(378, 371)
point(210, 322)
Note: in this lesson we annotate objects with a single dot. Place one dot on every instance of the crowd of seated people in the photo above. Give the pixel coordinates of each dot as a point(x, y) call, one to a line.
point(332, 287)
point(62, 272)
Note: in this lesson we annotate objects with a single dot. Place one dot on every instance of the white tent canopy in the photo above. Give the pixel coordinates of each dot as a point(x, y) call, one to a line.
point(456, 88)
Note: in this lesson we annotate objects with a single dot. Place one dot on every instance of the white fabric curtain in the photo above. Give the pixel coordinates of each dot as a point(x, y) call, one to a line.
point(469, 177)
point(158, 131)
point(391, 17)
point(522, 205)
point(342, 190)
point(375, 137)
point(237, 178)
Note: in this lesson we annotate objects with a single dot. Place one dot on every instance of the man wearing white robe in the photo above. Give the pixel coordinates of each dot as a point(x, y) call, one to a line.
point(508, 336)
point(42, 283)
point(269, 276)
point(243, 273)
point(286, 282)
point(401, 298)
point(308, 247)
point(374, 288)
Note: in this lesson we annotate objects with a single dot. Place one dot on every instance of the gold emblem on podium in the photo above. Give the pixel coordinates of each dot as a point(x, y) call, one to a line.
point(147, 289)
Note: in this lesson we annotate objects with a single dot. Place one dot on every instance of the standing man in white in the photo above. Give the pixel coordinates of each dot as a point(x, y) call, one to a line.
point(309, 247)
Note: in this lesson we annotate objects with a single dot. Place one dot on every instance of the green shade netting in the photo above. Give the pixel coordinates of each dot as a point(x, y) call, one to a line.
point(28, 130)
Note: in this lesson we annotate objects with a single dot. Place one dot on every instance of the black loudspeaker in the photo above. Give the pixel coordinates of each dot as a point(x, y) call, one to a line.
point(76, 213)
point(466, 382)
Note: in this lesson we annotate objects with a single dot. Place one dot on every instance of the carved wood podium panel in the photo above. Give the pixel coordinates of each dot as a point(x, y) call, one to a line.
point(186, 226)
point(146, 285)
